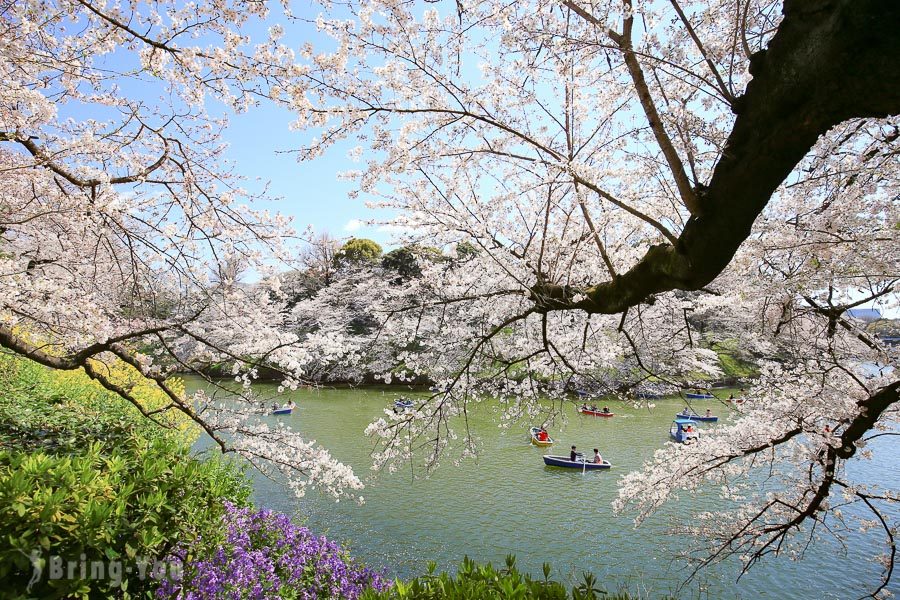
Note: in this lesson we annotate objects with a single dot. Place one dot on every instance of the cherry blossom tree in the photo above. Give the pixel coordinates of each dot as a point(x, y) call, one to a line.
point(623, 169)
point(317, 258)
point(620, 168)
point(123, 230)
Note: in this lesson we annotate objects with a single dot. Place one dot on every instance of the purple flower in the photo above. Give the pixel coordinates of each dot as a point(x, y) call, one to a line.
point(266, 554)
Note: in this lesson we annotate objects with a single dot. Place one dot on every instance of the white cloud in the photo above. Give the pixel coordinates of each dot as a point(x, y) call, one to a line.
point(353, 225)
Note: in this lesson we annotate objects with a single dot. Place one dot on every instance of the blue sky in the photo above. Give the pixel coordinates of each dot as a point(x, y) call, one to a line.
point(260, 144)
point(260, 141)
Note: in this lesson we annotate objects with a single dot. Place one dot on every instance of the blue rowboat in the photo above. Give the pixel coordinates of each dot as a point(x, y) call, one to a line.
point(696, 417)
point(282, 411)
point(403, 403)
point(684, 431)
point(698, 396)
point(563, 461)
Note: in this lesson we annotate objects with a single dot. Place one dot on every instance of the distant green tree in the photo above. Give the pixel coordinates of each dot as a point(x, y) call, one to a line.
point(357, 251)
point(465, 250)
point(405, 260)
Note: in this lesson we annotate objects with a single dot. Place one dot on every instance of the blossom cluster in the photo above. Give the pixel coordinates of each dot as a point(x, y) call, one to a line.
point(266, 555)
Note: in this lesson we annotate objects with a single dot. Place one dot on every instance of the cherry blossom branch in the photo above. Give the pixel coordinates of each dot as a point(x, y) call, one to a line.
point(46, 161)
point(779, 118)
point(709, 63)
point(888, 532)
point(612, 199)
point(624, 41)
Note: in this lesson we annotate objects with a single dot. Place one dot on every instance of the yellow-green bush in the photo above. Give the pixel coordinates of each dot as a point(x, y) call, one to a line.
point(85, 477)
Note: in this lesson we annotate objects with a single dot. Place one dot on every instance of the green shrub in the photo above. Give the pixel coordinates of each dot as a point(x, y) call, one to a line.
point(84, 477)
point(484, 582)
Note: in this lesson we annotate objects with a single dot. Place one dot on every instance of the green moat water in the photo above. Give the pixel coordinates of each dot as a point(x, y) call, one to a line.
point(507, 502)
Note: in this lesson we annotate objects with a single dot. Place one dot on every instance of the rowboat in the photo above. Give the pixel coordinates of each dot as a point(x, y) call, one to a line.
point(579, 463)
point(534, 432)
point(698, 396)
point(282, 411)
point(403, 403)
point(695, 417)
point(596, 413)
point(684, 431)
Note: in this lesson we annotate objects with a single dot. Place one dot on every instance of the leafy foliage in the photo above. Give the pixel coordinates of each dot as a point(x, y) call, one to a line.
point(405, 260)
point(358, 251)
point(57, 411)
point(484, 582)
point(86, 478)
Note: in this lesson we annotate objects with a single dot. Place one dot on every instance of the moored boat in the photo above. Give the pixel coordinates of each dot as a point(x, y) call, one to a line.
point(579, 463)
point(698, 395)
point(684, 431)
point(536, 437)
point(283, 411)
point(405, 403)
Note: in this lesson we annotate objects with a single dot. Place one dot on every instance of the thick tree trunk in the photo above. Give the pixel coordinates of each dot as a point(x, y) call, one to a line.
point(830, 61)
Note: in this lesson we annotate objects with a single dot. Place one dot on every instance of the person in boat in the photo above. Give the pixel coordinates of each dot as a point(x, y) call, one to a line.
point(606, 409)
point(573, 454)
point(290, 404)
point(731, 396)
point(542, 435)
point(274, 406)
point(708, 412)
point(597, 458)
point(584, 406)
point(594, 407)
point(689, 429)
point(686, 411)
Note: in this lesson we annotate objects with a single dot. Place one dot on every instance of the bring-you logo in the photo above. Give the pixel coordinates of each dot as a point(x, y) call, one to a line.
point(54, 567)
